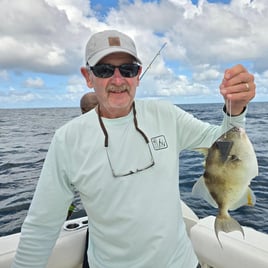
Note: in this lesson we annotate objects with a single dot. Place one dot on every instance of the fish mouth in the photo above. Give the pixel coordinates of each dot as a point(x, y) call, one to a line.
point(237, 129)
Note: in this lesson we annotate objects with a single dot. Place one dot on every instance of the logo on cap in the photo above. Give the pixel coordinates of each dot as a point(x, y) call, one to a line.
point(114, 41)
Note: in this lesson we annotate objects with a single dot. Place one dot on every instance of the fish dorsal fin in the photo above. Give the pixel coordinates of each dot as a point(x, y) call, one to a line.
point(203, 151)
point(224, 148)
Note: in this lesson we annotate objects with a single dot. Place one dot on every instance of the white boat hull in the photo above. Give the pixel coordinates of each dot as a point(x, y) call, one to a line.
point(235, 252)
point(67, 253)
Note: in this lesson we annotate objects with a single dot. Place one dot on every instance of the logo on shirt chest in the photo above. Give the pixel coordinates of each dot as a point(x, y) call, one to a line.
point(159, 142)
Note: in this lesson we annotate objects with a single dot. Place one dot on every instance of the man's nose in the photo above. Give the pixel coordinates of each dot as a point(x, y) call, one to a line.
point(117, 76)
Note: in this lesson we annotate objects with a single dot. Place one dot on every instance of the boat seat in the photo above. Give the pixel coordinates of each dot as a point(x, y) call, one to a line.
point(236, 252)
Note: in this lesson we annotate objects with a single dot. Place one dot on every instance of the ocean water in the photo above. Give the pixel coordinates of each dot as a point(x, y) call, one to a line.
point(25, 135)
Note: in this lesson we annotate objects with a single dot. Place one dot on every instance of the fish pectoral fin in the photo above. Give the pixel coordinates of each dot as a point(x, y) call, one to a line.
point(251, 197)
point(203, 151)
point(248, 199)
point(200, 190)
point(227, 225)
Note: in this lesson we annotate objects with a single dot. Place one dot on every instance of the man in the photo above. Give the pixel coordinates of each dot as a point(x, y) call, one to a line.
point(123, 159)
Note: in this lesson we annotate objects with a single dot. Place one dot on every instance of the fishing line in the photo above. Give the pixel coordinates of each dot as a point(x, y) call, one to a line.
point(229, 102)
point(230, 112)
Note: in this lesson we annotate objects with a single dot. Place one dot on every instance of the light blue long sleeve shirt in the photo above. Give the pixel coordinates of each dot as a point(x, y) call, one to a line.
point(135, 221)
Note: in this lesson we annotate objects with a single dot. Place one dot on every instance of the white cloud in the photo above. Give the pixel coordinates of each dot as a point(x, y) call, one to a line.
point(76, 85)
point(4, 75)
point(40, 38)
point(206, 73)
point(202, 40)
point(76, 10)
point(14, 96)
point(34, 82)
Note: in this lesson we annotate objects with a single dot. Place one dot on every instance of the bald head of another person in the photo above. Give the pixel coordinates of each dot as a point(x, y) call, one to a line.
point(88, 102)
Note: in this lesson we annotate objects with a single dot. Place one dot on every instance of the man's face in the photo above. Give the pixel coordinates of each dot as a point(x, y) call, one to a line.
point(116, 93)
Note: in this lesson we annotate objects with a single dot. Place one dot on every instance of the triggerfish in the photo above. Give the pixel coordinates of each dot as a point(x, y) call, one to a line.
point(230, 165)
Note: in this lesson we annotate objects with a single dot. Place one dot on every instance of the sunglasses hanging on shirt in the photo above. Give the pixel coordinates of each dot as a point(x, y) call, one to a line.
point(127, 172)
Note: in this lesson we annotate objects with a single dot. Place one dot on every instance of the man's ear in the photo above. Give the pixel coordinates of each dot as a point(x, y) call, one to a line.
point(85, 73)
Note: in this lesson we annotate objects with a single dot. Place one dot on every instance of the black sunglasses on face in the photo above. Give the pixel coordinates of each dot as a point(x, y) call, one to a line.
point(107, 70)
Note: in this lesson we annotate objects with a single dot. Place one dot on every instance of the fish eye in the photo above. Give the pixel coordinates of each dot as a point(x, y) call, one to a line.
point(233, 157)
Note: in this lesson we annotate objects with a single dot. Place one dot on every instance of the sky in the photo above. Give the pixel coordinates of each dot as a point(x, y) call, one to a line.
point(42, 47)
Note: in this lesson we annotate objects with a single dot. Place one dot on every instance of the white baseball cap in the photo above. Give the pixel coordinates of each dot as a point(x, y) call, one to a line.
point(104, 43)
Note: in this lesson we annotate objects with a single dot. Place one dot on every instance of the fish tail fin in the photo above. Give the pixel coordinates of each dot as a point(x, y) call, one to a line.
point(226, 224)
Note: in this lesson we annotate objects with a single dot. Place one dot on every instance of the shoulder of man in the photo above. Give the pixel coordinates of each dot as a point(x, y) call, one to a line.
point(156, 103)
